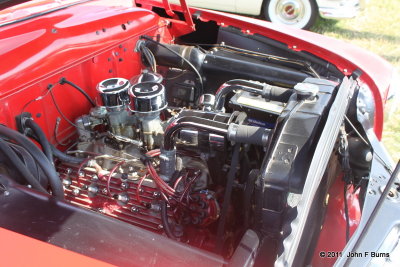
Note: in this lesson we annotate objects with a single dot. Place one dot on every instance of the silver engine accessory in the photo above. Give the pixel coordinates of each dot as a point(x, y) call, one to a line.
point(147, 76)
point(114, 112)
point(147, 99)
point(207, 102)
point(114, 93)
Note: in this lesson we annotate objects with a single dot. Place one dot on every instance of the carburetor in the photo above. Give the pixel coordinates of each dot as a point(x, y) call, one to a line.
point(147, 101)
point(128, 114)
point(113, 112)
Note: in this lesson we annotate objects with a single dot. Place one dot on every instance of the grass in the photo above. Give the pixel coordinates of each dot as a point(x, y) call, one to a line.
point(377, 29)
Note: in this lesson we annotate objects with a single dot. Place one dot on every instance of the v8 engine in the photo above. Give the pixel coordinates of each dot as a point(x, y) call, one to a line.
point(148, 164)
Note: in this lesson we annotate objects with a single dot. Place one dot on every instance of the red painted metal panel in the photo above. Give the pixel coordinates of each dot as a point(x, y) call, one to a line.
point(85, 44)
point(45, 45)
point(333, 234)
point(20, 250)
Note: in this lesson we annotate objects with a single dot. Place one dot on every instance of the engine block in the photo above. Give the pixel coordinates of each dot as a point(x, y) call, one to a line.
point(126, 198)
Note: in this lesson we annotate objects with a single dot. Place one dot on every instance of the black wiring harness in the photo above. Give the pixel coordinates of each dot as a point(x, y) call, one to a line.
point(20, 163)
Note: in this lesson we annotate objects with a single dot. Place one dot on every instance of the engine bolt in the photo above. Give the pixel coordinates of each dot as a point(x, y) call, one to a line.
point(81, 174)
point(135, 209)
point(68, 171)
point(76, 191)
point(104, 191)
point(124, 186)
point(156, 194)
point(93, 189)
point(66, 182)
point(123, 198)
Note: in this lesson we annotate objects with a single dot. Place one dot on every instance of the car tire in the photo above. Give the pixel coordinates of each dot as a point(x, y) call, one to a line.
point(295, 13)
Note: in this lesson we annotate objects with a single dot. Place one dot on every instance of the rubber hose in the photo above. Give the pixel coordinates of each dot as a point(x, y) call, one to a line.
point(64, 157)
point(30, 164)
point(164, 221)
point(248, 134)
point(41, 138)
point(21, 168)
point(52, 149)
point(227, 198)
point(65, 81)
point(43, 162)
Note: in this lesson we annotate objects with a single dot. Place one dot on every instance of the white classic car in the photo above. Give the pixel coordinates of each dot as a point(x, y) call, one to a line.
point(296, 13)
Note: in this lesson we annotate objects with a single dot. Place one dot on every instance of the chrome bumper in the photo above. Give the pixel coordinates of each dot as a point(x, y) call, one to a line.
point(340, 9)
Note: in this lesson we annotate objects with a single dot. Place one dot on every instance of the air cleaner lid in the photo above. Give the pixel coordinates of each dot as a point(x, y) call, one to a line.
point(114, 92)
point(147, 97)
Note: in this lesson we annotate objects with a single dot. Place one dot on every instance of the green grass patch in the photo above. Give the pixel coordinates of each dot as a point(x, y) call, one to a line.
point(377, 29)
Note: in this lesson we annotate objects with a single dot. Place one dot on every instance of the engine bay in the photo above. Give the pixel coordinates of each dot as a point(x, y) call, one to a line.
point(163, 152)
point(197, 142)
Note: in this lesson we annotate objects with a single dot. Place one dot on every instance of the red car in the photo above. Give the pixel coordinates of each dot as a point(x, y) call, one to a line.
point(148, 134)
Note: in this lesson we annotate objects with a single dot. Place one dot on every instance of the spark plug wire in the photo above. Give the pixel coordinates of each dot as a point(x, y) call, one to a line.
point(110, 176)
